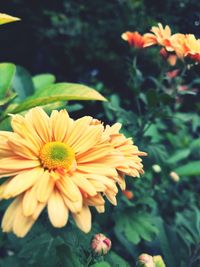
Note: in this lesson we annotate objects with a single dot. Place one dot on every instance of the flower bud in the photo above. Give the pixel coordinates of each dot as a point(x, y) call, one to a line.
point(145, 260)
point(158, 261)
point(174, 176)
point(156, 168)
point(128, 194)
point(100, 244)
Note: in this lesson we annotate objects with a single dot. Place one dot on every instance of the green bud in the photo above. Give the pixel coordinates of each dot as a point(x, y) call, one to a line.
point(158, 261)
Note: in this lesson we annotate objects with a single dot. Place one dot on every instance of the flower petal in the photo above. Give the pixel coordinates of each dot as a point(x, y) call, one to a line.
point(44, 187)
point(22, 182)
point(56, 120)
point(68, 188)
point(57, 210)
point(9, 215)
point(29, 202)
point(83, 219)
point(84, 184)
point(41, 123)
point(22, 224)
point(13, 165)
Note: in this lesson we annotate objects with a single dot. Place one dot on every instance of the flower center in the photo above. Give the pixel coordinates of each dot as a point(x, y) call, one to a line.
point(57, 155)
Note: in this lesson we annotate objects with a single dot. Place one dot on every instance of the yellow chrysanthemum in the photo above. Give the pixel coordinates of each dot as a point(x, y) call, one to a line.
point(63, 164)
point(4, 18)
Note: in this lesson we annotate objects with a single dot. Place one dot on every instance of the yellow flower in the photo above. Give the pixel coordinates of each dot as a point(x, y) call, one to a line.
point(4, 18)
point(159, 35)
point(63, 164)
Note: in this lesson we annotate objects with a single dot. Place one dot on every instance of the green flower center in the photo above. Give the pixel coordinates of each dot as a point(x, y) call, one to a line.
point(57, 155)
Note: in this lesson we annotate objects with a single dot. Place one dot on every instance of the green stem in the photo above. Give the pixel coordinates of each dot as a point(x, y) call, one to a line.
point(89, 260)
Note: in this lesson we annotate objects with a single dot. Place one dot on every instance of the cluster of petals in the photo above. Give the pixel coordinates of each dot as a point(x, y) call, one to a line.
point(178, 44)
point(63, 165)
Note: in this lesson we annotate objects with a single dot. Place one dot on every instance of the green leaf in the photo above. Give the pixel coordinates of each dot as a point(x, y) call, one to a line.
point(68, 257)
point(101, 264)
point(136, 226)
point(22, 83)
point(43, 80)
point(59, 92)
point(6, 100)
point(179, 155)
point(7, 72)
point(115, 260)
point(190, 169)
point(168, 243)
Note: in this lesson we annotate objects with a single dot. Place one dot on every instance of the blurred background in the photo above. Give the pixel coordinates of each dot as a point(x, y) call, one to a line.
point(79, 40)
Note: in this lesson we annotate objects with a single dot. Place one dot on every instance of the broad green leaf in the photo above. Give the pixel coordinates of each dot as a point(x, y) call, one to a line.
point(4, 18)
point(59, 92)
point(136, 226)
point(43, 80)
point(7, 72)
point(189, 169)
point(179, 155)
point(22, 83)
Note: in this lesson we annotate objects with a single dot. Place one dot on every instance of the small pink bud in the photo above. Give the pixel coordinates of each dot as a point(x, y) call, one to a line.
point(145, 260)
point(100, 244)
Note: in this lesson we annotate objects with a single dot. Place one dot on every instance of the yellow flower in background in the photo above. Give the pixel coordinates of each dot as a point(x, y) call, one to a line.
point(4, 18)
point(63, 164)
point(159, 35)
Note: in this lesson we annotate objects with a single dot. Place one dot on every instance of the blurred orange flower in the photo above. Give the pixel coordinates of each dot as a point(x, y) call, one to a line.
point(128, 194)
point(134, 39)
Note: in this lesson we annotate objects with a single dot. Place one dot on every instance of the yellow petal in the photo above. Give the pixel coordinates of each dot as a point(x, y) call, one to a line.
point(79, 127)
point(97, 168)
point(57, 120)
point(12, 165)
point(22, 182)
point(84, 184)
point(4, 18)
point(89, 139)
point(29, 202)
point(111, 197)
point(38, 210)
point(22, 148)
point(9, 215)
point(25, 129)
point(44, 187)
point(100, 209)
point(41, 123)
point(68, 188)
point(94, 153)
point(83, 219)
point(73, 206)
point(57, 210)
point(22, 224)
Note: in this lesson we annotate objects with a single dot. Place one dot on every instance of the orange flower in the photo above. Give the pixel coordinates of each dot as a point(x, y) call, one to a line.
point(193, 47)
point(62, 164)
point(177, 42)
point(134, 39)
point(128, 194)
point(159, 35)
